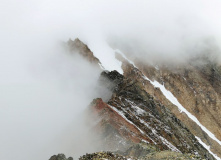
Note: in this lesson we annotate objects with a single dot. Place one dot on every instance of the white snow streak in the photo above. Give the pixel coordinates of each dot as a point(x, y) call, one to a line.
point(208, 148)
point(138, 110)
point(174, 100)
point(122, 115)
point(118, 51)
point(167, 143)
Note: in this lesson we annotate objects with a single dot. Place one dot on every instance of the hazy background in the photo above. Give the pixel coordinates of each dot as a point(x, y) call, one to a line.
point(43, 90)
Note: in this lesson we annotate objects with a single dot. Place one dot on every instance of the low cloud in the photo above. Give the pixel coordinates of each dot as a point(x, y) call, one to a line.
point(43, 89)
point(42, 112)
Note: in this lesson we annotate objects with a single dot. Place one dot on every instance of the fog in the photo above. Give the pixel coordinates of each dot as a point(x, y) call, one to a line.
point(168, 31)
point(42, 110)
point(43, 90)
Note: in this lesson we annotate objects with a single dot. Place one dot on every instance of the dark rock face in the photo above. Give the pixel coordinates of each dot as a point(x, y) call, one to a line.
point(60, 157)
point(107, 84)
point(112, 76)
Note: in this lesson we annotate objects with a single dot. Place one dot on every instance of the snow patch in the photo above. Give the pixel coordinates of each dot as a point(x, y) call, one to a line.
point(106, 55)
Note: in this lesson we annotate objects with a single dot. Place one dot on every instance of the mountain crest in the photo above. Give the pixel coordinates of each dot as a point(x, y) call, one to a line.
point(81, 48)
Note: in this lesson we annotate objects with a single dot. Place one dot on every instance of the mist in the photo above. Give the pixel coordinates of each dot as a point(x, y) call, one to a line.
point(168, 31)
point(44, 90)
point(42, 111)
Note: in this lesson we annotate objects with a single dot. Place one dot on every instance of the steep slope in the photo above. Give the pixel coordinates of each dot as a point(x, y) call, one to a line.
point(144, 118)
point(141, 108)
point(197, 88)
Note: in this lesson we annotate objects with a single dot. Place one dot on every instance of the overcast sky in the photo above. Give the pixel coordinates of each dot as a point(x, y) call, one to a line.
point(39, 83)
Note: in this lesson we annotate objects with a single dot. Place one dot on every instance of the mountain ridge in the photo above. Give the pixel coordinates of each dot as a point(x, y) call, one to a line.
point(138, 112)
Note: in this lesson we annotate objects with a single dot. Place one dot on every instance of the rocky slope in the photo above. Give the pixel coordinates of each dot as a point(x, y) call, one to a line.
point(134, 115)
point(171, 112)
point(197, 88)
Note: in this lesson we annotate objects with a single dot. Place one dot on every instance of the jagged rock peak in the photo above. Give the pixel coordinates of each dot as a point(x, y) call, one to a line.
point(81, 48)
point(113, 75)
point(60, 157)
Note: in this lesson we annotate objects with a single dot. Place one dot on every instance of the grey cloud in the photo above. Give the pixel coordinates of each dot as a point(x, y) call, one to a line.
point(42, 89)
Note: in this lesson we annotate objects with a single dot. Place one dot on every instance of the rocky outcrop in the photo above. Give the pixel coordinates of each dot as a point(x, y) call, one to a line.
point(78, 46)
point(60, 157)
point(140, 152)
point(136, 116)
point(102, 155)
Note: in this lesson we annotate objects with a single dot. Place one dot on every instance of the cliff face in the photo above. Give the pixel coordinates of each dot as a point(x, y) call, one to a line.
point(171, 112)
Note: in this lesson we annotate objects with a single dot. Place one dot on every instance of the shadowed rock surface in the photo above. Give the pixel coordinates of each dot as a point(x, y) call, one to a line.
point(60, 157)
